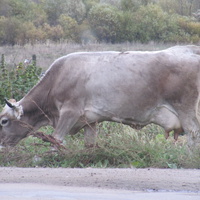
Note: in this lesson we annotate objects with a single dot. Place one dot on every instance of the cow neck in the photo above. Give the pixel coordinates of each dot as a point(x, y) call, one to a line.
point(37, 102)
point(34, 107)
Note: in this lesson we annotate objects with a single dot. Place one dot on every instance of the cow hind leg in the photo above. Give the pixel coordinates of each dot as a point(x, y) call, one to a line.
point(189, 116)
point(192, 128)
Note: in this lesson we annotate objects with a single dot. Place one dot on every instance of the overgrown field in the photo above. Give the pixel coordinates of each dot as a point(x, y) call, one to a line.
point(46, 53)
point(118, 145)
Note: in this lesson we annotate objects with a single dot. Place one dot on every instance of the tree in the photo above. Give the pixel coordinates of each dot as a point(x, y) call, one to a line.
point(104, 20)
point(89, 4)
point(130, 5)
point(10, 28)
point(76, 10)
point(54, 33)
point(181, 7)
point(5, 8)
point(53, 10)
point(153, 24)
point(70, 27)
point(127, 27)
point(73, 8)
point(114, 3)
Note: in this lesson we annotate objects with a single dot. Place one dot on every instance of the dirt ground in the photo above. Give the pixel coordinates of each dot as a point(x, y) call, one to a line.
point(124, 179)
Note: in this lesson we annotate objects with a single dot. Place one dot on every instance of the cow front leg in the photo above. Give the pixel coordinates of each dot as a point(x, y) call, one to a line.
point(167, 134)
point(65, 124)
point(90, 134)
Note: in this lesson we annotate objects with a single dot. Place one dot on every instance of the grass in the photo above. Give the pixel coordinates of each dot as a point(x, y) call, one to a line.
point(118, 146)
point(47, 53)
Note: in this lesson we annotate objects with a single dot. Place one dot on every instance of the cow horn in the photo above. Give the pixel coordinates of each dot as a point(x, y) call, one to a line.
point(9, 104)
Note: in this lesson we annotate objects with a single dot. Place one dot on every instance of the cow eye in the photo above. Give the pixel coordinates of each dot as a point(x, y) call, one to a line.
point(4, 121)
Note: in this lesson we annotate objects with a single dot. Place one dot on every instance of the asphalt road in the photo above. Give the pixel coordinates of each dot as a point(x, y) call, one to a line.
point(98, 184)
point(29, 191)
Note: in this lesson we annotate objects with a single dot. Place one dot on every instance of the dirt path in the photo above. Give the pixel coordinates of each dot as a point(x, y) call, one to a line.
point(124, 179)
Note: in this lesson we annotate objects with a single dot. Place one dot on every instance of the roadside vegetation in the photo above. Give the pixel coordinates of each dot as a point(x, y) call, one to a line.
point(118, 145)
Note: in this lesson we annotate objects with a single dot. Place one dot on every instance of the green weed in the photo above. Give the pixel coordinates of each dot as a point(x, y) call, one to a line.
point(118, 146)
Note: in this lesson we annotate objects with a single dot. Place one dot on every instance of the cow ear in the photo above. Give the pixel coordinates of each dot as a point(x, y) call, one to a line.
point(4, 121)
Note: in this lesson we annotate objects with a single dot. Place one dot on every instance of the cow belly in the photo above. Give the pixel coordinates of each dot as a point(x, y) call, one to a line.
point(97, 115)
point(165, 117)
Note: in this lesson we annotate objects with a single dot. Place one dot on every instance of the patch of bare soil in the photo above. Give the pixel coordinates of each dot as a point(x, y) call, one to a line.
point(126, 179)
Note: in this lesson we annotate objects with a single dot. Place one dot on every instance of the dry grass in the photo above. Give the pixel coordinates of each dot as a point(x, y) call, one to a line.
point(47, 53)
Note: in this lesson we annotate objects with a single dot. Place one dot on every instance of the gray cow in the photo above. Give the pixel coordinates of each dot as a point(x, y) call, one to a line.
point(133, 88)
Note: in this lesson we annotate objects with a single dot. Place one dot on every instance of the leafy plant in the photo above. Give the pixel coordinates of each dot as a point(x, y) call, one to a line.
point(16, 82)
point(116, 148)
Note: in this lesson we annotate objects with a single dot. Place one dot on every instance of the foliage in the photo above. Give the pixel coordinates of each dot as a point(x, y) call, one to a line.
point(16, 82)
point(104, 20)
point(128, 28)
point(113, 21)
point(70, 27)
point(130, 5)
point(154, 24)
point(181, 7)
point(191, 28)
point(118, 146)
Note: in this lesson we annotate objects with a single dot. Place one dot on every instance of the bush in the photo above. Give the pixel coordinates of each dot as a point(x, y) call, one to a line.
point(70, 27)
point(16, 82)
point(191, 28)
point(116, 21)
point(104, 20)
point(127, 27)
point(9, 29)
point(153, 24)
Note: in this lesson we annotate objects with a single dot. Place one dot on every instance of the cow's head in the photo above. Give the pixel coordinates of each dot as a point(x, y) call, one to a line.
point(12, 129)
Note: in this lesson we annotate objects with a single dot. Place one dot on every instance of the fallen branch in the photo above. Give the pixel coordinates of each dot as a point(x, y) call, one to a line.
point(48, 138)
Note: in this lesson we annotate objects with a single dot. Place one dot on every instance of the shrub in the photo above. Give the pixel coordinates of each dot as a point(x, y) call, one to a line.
point(104, 20)
point(70, 27)
point(130, 5)
point(191, 28)
point(16, 82)
point(10, 28)
point(153, 24)
point(127, 27)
